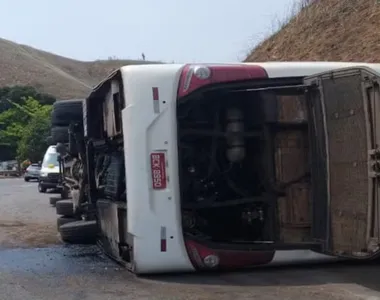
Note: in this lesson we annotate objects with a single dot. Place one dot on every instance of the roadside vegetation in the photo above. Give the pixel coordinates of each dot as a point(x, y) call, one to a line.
point(24, 123)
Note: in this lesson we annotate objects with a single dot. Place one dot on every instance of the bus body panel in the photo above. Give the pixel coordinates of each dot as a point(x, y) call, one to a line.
point(303, 69)
point(153, 215)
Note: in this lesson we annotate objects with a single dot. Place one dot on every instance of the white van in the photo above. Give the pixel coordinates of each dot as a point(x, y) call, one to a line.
point(198, 167)
point(49, 173)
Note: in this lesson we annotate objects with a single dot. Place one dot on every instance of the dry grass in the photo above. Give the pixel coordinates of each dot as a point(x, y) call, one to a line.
point(325, 30)
point(60, 76)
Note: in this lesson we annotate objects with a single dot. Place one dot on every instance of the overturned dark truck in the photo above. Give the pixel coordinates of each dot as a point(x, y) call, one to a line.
point(183, 168)
point(66, 130)
point(64, 114)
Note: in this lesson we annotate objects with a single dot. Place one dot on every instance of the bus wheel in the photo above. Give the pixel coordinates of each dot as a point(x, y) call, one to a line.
point(79, 232)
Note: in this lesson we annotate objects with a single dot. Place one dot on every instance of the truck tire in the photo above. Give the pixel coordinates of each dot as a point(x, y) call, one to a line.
point(64, 220)
point(60, 134)
point(54, 200)
point(79, 232)
point(66, 112)
point(64, 208)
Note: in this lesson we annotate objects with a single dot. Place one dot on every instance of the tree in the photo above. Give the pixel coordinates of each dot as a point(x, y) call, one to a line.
point(33, 142)
point(12, 122)
point(25, 128)
point(17, 94)
point(11, 118)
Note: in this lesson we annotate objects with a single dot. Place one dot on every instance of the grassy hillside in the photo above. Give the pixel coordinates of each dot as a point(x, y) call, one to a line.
point(57, 75)
point(326, 30)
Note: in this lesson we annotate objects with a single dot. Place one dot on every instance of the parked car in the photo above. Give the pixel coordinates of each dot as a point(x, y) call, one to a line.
point(32, 172)
point(49, 173)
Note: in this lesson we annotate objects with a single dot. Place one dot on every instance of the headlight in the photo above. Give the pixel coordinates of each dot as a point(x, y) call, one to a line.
point(211, 261)
point(43, 174)
point(202, 72)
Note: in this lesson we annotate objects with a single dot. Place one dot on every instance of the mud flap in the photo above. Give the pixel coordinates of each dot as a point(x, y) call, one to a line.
point(343, 108)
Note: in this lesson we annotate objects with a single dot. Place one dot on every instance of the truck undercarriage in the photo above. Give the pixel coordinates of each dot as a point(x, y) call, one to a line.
point(93, 176)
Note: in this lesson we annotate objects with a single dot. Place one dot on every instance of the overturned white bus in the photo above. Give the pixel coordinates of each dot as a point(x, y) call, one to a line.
point(196, 167)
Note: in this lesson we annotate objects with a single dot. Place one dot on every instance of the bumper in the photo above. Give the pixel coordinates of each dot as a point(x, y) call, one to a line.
point(47, 182)
point(49, 185)
point(32, 177)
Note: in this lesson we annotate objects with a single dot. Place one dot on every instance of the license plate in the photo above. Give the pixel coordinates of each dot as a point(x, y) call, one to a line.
point(158, 167)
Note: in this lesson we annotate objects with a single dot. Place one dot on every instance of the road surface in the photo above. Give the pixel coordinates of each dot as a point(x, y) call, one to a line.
point(26, 219)
point(55, 271)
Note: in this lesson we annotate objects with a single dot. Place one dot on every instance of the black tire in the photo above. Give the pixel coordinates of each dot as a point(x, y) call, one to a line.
point(64, 208)
point(60, 134)
point(41, 188)
point(26, 179)
point(66, 112)
point(64, 220)
point(54, 200)
point(79, 232)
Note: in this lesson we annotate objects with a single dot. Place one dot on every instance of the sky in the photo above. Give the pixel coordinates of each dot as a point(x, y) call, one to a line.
point(165, 30)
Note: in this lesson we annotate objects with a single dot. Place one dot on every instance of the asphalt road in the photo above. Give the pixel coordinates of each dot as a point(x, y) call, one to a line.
point(55, 271)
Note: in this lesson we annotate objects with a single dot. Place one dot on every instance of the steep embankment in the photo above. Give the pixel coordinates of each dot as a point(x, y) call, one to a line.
point(326, 30)
point(57, 75)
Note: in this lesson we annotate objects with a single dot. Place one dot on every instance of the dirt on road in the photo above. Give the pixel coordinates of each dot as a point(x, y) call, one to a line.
point(27, 235)
point(26, 218)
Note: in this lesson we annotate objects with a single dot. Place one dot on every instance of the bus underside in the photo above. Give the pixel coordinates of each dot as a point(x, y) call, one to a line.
point(255, 175)
point(244, 165)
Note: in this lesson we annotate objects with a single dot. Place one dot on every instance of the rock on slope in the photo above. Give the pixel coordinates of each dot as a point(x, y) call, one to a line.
point(60, 76)
point(326, 30)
